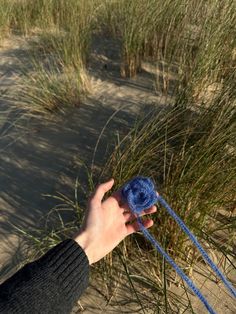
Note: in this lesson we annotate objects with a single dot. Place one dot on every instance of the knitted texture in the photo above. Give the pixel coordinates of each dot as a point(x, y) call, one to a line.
point(52, 284)
point(140, 194)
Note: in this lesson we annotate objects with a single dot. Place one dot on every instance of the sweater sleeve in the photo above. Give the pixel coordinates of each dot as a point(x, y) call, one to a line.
point(51, 284)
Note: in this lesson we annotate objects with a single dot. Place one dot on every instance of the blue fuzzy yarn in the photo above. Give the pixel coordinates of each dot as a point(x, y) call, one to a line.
point(176, 267)
point(206, 257)
point(140, 194)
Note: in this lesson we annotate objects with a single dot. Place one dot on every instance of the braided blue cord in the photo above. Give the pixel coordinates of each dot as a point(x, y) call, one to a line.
point(198, 245)
point(140, 194)
point(176, 267)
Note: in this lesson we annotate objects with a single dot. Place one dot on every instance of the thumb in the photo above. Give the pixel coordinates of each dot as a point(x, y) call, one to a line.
point(102, 189)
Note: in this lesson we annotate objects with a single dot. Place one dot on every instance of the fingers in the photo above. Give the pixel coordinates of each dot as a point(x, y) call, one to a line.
point(124, 207)
point(134, 227)
point(101, 190)
point(130, 216)
point(117, 195)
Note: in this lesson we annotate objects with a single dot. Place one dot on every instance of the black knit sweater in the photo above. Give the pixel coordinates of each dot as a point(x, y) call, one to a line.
point(51, 284)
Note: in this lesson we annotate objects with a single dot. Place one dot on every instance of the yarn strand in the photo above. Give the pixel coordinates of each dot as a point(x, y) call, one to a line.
point(206, 257)
point(179, 271)
point(140, 194)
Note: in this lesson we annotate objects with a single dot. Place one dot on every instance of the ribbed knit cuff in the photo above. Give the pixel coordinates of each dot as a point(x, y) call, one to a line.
point(68, 263)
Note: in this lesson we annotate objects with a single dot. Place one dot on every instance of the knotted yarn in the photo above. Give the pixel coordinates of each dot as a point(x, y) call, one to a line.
point(140, 194)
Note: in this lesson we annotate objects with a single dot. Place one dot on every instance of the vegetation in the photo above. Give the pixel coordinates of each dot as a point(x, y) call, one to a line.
point(198, 36)
point(188, 148)
point(50, 88)
point(59, 35)
point(191, 156)
point(194, 40)
point(185, 153)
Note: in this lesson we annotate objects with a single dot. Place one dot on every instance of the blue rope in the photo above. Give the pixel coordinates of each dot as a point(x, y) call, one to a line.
point(176, 267)
point(140, 194)
point(198, 245)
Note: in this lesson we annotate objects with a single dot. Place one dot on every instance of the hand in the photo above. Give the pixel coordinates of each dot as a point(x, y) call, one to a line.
point(107, 223)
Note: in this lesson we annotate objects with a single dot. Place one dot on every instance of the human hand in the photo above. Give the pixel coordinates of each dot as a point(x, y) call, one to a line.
point(107, 223)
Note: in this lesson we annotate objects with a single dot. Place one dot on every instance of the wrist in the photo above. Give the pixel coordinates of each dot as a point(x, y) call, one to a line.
point(83, 240)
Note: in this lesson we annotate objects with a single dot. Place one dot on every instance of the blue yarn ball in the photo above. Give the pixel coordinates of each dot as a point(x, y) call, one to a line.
point(139, 193)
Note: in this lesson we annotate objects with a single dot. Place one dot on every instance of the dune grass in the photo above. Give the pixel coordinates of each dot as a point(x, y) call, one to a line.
point(197, 36)
point(5, 13)
point(185, 153)
point(49, 90)
point(191, 156)
point(59, 35)
point(193, 40)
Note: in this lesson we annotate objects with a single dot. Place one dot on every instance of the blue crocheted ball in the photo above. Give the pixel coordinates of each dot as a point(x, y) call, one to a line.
point(139, 193)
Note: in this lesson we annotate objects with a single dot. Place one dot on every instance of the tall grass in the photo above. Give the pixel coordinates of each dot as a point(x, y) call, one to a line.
point(72, 21)
point(49, 90)
point(194, 39)
point(56, 77)
point(192, 158)
point(5, 13)
point(197, 36)
point(71, 30)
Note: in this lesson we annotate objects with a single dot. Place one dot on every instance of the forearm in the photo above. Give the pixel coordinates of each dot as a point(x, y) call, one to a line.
point(51, 284)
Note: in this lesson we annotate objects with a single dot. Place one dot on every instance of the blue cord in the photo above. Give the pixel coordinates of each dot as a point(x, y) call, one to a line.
point(140, 194)
point(198, 245)
point(176, 267)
